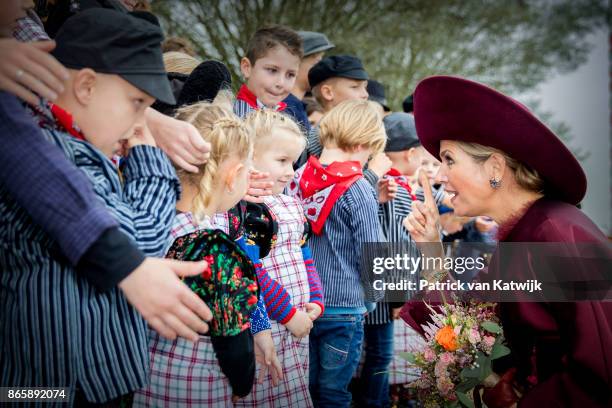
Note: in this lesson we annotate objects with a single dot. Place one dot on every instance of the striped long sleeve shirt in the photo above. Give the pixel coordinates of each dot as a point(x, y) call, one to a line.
point(391, 216)
point(353, 221)
point(56, 329)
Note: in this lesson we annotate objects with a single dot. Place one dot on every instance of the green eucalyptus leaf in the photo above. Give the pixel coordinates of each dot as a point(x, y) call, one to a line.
point(465, 400)
point(410, 357)
point(491, 327)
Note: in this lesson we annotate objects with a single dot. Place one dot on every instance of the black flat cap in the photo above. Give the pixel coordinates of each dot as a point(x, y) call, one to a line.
point(376, 93)
point(341, 66)
point(112, 42)
point(401, 132)
point(313, 42)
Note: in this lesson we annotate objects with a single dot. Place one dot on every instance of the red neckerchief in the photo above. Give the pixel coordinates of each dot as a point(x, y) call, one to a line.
point(320, 187)
point(245, 94)
point(402, 180)
point(64, 119)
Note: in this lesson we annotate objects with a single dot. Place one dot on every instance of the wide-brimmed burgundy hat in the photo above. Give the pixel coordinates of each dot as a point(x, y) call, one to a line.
point(452, 108)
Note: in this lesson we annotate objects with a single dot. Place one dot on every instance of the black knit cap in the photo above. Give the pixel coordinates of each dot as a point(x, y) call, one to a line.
point(203, 84)
point(343, 66)
point(112, 42)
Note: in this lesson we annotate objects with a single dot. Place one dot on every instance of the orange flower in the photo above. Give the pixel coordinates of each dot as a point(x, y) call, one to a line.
point(447, 338)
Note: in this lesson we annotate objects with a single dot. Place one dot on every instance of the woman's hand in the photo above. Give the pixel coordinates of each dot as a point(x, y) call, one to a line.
point(28, 71)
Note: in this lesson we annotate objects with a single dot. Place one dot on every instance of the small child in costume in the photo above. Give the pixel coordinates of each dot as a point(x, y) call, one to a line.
point(342, 209)
point(278, 142)
point(220, 367)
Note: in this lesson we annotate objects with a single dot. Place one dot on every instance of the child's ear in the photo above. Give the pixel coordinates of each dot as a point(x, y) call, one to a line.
point(84, 85)
point(327, 92)
point(231, 175)
point(245, 67)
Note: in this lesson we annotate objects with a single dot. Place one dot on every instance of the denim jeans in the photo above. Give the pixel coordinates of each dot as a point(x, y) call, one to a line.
point(374, 389)
point(335, 350)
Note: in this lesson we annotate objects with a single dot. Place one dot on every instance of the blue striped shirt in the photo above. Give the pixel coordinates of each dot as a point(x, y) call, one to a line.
point(56, 329)
point(337, 251)
point(391, 215)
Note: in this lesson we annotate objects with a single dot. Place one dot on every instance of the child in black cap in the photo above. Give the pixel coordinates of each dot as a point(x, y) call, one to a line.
point(98, 348)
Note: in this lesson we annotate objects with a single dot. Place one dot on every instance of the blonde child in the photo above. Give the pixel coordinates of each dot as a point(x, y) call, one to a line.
point(214, 370)
point(278, 142)
point(342, 209)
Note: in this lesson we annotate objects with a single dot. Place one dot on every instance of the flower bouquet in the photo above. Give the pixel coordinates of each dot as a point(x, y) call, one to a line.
point(461, 341)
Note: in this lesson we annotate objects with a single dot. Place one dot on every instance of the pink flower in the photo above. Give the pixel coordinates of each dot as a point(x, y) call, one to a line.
point(440, 369)
point(429, 355)
point(487, 343)
point(447, 358)
point(474, 336)
point(446, 387)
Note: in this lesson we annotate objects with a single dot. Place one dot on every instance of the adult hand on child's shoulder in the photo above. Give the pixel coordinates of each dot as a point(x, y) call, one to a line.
point(265, 355)
point(313, 310)
point(166, 303)
point(380, 164)
point(259, 186)
point(28, 71)
point(300, 324)
point(180, 140)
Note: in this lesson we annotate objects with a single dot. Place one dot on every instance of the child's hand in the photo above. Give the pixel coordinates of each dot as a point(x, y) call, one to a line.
point(265, 355)
point(387, 190)
point(313, 310)
point(258, 186)
point(380, 164)
point(300, 324)
point(395, 313)
point(140, 135)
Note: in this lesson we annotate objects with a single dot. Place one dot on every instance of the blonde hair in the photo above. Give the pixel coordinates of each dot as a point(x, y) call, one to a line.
point(180, 62)
point(351, 124)
point(228, 136)
point(525, 176)
point(263, 122)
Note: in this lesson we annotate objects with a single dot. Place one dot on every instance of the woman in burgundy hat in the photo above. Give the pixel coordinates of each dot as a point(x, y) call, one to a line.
point(499, 160)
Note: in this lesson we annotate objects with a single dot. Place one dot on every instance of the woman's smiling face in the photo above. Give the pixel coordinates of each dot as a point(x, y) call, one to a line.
point(465, 179)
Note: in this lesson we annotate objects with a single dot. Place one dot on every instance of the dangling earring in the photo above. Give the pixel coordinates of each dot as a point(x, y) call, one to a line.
point(495, 184)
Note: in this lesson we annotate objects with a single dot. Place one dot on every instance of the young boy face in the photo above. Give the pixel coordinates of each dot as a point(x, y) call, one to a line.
point(406, 161)
point(105, 107)
point(272, 77)
point(277, 157)
point(344, 89)
point(429, 164)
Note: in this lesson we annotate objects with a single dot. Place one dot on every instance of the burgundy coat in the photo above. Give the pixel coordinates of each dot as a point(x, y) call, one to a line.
point(567, 346)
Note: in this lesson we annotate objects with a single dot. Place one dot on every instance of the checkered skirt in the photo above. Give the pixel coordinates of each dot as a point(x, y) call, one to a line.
point(404, 339)
point(182, 374)
point(286, 264)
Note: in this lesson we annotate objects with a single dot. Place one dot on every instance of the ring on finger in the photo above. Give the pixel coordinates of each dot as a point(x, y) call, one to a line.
point(19, 73)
